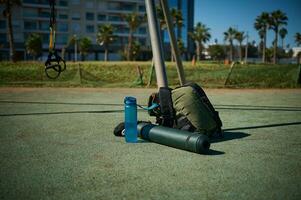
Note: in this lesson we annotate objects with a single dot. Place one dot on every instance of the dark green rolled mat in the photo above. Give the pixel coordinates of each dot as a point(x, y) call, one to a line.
point(189, 141)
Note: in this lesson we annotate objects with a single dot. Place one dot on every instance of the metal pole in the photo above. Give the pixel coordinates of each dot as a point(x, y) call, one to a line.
point(75, 48)
point(246, 49)
point(173, 42)
point(156, 43)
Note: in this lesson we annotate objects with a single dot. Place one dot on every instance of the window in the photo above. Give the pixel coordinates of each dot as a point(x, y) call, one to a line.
point(30, 12)
point(44, 26)
point(90, 28)
point(142, 41)
point(62, 39)
point(75, 2)
point(115, 18)
point(45, 2)
point(75, 27)
point(113, 6)
point(44, 14)
point(142, 30)
point(63, 27)
point(102, 5)
point(128, 7)
point(2, 37)
point(141, 8)
point(63, 15)
point(45, 38)
point(125, 30)
point(30, 25)
point(16, 24)
point(121, 29)
point(101, 17)
point(63, 3)
point(76, 16)
point(89, 16)
point(31, 1)
point(89, 4)
point(18, 37)
point(2, 24)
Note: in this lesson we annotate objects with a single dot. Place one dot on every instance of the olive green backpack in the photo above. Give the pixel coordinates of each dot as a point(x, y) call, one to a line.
point(194, 112)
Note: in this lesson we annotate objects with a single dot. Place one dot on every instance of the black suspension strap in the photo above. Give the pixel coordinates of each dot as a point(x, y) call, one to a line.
point(54, 64)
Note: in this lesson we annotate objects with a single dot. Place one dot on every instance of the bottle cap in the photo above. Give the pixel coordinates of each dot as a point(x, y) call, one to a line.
point(130, 100)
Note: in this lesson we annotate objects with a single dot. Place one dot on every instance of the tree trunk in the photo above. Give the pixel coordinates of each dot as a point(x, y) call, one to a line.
point(264, 45)
point(240, 52)
point(10, 32)
point(282, 41)
point(275, 46)
point(171, 57)
point(231, 51)
point(198, 51)
point(81, 56)
point(106, 55)
point(63, 52)
point(129, 52)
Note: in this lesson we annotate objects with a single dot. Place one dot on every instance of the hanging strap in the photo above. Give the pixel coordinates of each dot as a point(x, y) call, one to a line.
point(52, 23)
point(54, 64)
point(153, 106)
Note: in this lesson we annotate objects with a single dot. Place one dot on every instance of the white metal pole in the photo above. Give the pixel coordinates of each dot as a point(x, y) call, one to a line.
point(156, 43)
point(173, 42)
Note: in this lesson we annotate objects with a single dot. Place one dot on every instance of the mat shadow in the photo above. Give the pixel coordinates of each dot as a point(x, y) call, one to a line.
point(212, 152)
point(229, 136)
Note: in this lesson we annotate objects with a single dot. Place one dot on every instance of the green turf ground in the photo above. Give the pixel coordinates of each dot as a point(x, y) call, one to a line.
point(53, 145)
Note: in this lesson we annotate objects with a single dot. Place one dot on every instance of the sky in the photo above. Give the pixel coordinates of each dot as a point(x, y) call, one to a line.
point(219, 15)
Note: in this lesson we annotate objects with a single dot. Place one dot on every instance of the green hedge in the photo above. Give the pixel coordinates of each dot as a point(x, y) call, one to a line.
point(124, 74)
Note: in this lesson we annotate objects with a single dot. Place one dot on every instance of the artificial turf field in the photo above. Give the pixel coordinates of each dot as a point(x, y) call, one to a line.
point(58, 144)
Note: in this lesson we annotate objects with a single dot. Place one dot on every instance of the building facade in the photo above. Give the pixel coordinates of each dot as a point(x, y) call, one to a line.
point(187, 9)
point(80, 18)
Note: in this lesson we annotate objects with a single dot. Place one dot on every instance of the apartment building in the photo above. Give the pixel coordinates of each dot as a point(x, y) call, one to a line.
point(81, 18)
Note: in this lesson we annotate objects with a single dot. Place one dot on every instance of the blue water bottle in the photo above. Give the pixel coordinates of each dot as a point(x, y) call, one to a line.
point(130, 108)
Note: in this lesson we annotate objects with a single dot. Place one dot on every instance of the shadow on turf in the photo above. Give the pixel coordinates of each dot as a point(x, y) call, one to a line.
point(262, 126)
point(218, 107)
point(212, 152)
point(62, 103)
point(228, 135)
point(60, 113)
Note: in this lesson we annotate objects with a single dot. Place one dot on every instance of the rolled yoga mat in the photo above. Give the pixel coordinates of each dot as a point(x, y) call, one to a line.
point(189, 141)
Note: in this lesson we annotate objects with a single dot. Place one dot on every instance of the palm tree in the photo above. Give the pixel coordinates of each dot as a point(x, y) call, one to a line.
point(261, 25)
point(229, 35)
point(85, 44)
point(161, 18)
point(33, 45)
point(298, 42)
point(200, 35)
point(134, 21)
point(298, 39)
point(105, 37)
point(282, 34)
point(240, 36)
point(181, 46)
point(136, 48)
point(277, 19)
point(177, 19)
point(73, 40)
point(9, 4)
